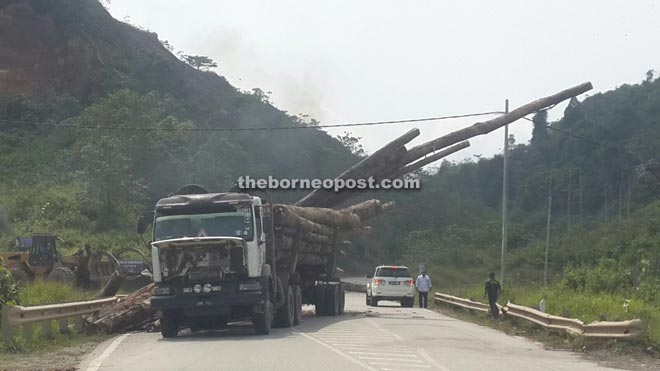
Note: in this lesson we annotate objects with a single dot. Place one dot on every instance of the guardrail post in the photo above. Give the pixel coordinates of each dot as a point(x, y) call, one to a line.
point(46, 328)
point(27, 332)
point(6, 327)
point(62, 324)
point(78, 323)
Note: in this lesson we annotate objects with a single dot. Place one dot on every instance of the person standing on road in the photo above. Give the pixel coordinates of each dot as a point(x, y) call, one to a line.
point(492, 290)
point(423, 285)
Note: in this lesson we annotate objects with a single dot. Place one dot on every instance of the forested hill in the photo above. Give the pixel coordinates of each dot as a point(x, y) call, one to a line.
point(595, 156)
point(69, 63)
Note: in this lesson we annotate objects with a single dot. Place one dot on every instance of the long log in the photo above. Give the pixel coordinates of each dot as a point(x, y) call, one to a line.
point(288, 218)
point(318, 196)
point(425, 161)
point(486, 127)
point(370, 208)
point(396, 170)
point(335, 218)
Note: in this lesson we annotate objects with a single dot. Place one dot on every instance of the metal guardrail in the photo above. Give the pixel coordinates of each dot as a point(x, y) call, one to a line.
point(460, 302)
point(18, 316)
point(569, 325)
point(624, 329)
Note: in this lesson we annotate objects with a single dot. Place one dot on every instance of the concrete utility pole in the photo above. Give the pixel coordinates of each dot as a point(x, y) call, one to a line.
point(547, 232)
point(505, 194)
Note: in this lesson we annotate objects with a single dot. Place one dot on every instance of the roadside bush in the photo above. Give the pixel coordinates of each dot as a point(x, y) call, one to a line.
point(8, 289)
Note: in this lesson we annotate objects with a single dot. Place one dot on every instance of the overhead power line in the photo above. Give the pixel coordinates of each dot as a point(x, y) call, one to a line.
point(64, 124)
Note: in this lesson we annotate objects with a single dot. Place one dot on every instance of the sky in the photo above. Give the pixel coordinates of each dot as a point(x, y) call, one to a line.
point(342, 61)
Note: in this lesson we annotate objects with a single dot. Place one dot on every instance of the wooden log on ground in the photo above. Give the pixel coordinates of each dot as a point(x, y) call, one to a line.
point(486, 127)
point(334, 218)
point(318, 197)
point(133, 309)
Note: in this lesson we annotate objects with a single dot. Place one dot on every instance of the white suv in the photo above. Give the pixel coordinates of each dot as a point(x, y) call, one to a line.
point(391, 282)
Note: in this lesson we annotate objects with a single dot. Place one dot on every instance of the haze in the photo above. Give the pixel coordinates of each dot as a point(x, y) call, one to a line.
point(348, 61)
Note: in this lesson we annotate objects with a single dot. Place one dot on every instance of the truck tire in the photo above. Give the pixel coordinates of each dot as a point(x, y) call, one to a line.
point(332, 300)
point(297, 295)
point(320, 300)
point(342, 299)
point(263, 321)
point(169, 326)
point(20, 277)
point(62, 275)
point(286, 312)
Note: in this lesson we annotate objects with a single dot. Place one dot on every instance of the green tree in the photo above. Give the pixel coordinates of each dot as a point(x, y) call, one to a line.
point(199, 62)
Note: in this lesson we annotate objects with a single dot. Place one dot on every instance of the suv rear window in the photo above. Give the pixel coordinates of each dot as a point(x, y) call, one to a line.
point(393, 272)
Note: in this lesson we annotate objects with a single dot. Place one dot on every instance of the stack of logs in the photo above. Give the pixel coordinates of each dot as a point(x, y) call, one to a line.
point(317, 218)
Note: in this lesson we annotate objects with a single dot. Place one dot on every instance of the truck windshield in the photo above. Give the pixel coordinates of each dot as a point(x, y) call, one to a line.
point(225, 224)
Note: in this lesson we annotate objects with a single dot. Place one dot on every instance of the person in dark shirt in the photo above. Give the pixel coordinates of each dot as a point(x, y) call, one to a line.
point(492, 290)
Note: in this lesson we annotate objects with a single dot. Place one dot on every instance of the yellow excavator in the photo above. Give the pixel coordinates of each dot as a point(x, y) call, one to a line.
point(39, 259)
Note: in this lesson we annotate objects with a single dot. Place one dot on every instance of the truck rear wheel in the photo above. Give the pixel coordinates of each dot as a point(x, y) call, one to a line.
point(286, 313)
point(320, 300)
point(332, 300)
point(297, 295)
point(342, 299)
point(169, 326)
point(263, 321)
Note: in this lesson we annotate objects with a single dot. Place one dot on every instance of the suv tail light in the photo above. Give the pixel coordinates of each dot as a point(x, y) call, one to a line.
point(379, 281)
point(409, 282)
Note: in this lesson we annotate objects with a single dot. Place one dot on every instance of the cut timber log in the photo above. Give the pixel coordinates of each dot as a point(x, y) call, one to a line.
point(290, 219)
point(370, 208)
point(334, 218)
point(434, 157)
point(379, 158)
point(133, 309)
point(486, 127)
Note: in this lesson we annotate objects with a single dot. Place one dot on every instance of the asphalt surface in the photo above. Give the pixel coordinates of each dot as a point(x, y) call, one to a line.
point(386, 338)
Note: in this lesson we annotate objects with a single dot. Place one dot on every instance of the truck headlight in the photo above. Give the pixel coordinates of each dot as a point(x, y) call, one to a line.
point(162, 290)
point(197, 288)
point(206, 288)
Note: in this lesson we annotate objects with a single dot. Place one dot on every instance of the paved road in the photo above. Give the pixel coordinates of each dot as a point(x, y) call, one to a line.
point(384, 339)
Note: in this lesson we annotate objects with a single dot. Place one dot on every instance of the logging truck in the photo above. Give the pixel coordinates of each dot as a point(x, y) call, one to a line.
point(218, 258)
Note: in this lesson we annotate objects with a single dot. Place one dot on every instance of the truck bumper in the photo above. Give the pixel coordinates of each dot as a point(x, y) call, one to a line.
point(210, 305)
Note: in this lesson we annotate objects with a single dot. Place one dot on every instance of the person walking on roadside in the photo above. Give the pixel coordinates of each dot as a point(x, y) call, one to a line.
point(492, 290)
point(423, 285)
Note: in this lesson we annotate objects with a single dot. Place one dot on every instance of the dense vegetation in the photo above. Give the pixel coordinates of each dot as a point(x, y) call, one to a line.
point(134, 125)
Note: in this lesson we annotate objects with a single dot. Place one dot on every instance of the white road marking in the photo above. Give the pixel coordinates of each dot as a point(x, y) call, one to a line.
point(96, 363)
point(390, 359)
point(394, 365)
point(376, 325)
point(357, 362)
point(432, 361)
point(397, 353)
point(388, 354)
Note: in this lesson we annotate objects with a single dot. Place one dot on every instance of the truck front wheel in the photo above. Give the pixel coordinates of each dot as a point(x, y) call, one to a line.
point(263, 321)
point(286, 313)
point(169, 327)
